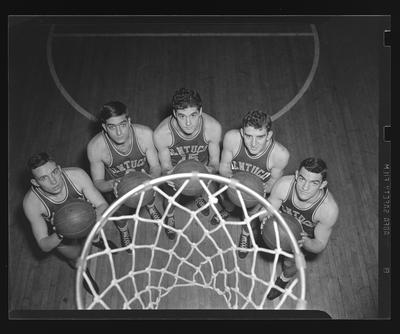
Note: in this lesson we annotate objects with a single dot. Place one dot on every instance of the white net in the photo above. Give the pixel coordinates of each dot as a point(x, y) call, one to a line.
point(199, 266)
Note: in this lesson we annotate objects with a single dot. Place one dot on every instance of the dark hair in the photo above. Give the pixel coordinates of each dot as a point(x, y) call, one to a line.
point(257, 119)
point(315, 165)
point(38, 159)
point(185, 98)
point(112, 109)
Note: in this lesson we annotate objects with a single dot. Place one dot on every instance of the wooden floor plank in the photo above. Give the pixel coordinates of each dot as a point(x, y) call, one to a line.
point(337, 119)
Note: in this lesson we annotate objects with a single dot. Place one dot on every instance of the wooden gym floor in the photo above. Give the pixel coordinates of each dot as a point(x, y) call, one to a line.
point(319, 77)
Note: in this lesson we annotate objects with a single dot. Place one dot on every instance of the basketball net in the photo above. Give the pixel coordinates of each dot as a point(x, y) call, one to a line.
point(207, 259)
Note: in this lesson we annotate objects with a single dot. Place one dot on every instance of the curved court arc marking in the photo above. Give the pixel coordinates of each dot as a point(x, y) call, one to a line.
point(308, 81)
point(274, 117)
point(58, 83)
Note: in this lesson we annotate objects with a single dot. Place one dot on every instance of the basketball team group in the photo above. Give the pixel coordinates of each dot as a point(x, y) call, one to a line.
point(123, 146)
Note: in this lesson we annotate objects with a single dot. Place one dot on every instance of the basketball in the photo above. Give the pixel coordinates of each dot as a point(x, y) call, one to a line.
point(193, 188)
point(130, 181)
point(75, 219)
point(268, 232)
point(251, 181)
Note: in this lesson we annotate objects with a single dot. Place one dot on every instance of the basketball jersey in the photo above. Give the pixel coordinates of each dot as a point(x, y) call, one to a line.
point(135, 159)
point(257, 165)
point(51, 205)
point(193, 147)
point(304, 216)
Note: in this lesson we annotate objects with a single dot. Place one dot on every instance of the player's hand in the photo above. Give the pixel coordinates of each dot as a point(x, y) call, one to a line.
point(263, 221)
point(115, 186)
point(210, 169)
point(304, 237)
point(128, 171)
point(143, 171)
point(263, 217)
point(60, 236)
point(52, 220)
point(171, 184)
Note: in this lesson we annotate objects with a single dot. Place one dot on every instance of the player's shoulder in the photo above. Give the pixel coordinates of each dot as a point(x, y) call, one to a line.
point(233, 134)
point(280, 150)
point(280, 147)
point(328, 210)
point(232, 139)
point(212, 128)
point(279, 155)
point(142, 129)
point(75, 173)
point(29, 198)
point(162, 135)
point(282, 185)
point(331, 203)
point(31, 203)
point(96, 142)
point(163, 126)
point(210, 120)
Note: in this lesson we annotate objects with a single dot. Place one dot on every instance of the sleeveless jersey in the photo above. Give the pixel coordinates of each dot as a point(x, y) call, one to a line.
point(51, 205)
point(304, 216)
point(135, 159)
point(257, 165)
point(194, 147)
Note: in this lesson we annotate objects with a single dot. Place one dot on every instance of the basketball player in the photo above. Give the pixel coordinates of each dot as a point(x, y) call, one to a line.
point(306, 197)
point(253, 149)
point(188, 134)
point(52, 186)
point(121, 147)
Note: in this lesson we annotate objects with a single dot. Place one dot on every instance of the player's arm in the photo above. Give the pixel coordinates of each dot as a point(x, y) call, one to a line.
point(82, 180)
point(97, 170)
point(147, 145)
point(33, 211)
point(280, 161)
point(213, 134)
point(278, 193)
point(228, 150)
point(327, 218)
point(162, 140)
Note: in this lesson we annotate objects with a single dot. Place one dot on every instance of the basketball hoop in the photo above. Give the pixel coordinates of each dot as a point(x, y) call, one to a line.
point(201, 256)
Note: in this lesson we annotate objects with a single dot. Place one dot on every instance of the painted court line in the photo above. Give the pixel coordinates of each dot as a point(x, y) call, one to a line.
point(58, 83)
point(274, 117)
point(308, 81)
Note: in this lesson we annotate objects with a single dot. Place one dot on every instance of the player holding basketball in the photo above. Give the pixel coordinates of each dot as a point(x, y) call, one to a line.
point(121, 147)
point(52, 186)
point(253, 149)
point(188, 134)
point(306, 197)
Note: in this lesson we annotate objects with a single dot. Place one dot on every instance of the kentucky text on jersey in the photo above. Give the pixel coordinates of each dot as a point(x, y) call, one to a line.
point(189, 152)
point(129, 164)
point(248, 167)
point(303, 220)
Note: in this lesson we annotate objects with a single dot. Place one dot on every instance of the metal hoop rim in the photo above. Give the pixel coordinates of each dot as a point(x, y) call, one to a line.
point(299, 257)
